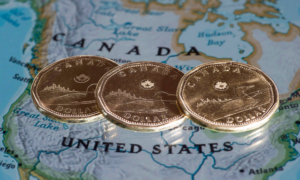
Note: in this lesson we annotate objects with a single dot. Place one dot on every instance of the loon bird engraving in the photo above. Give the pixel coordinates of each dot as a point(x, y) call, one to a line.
point(244, 101)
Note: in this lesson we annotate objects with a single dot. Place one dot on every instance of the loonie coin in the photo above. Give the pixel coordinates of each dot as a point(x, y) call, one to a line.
point(141, 96)
point(228, 96)
point(64, 90)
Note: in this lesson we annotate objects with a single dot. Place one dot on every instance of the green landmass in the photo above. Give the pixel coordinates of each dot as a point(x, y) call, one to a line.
point(286, 152)
point(31, 166)
point(3, 2)
point(11, 129)
point(11, 132)
point(61, 175)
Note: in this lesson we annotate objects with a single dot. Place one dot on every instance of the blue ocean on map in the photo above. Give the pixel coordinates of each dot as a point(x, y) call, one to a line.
point(16, 24)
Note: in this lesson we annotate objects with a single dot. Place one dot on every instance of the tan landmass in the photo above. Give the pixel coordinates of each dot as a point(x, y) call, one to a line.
point(284, 96)
point(189, 12)
point(25, 46)
point(40, 50)
point(260, 10)
point(37, 176)
point(231, 25)
point(203, 58)
point(260, 1)
point(190, 5)
point(295, 83)
point(221, 24)
point(298, 77)
point(24, 175)
point(212, 17)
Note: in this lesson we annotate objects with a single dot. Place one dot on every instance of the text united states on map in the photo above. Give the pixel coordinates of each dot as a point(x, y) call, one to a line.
point(181, 33)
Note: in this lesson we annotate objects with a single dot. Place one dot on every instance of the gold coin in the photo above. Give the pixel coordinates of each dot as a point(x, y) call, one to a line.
point(228, 96)
point(141, 96)
point(64, 90)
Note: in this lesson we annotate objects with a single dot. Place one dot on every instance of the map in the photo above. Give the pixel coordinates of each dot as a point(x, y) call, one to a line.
point(180, 33)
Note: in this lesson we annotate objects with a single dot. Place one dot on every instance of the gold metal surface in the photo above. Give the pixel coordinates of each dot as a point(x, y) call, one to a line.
point(228, 96)
point(64, 90)
point(141, 96)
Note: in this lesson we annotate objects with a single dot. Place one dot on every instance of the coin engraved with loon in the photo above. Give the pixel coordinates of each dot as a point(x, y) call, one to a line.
point(141, 96)
point(65, 89)
point(228, 96)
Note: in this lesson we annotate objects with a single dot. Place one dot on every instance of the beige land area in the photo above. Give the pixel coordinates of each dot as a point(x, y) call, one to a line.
point(193, 10)
point(190, 12)
point(25, 175)
point(40, 50)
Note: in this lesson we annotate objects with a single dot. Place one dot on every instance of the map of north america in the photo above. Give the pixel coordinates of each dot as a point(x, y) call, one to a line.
point(183, 34)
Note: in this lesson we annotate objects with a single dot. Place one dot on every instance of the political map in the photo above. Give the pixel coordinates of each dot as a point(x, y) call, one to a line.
point(180, 33)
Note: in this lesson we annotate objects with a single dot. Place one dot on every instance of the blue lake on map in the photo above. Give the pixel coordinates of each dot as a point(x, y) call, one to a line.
point(16, 25)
